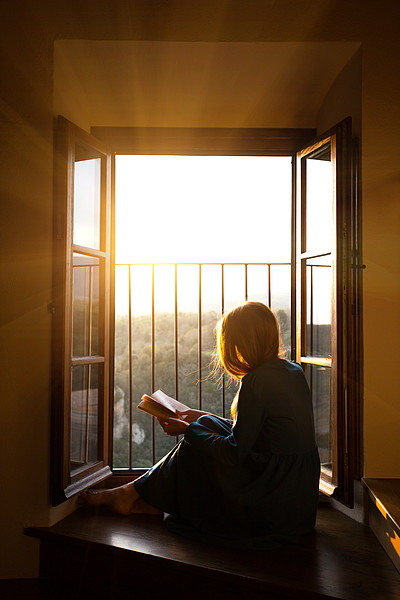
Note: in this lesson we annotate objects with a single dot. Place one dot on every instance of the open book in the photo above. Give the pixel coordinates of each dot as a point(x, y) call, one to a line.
point(161, 406)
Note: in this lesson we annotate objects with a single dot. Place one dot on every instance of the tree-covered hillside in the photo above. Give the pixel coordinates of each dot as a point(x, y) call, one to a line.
point(189, 375)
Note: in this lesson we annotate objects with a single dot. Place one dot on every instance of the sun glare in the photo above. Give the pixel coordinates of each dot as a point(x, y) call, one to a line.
point(202, 209)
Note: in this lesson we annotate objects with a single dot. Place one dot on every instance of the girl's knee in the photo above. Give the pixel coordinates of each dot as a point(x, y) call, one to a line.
point(215, 424)
point(206, 420)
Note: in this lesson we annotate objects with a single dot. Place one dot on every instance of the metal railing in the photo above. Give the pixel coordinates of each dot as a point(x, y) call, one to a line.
point(214, 288)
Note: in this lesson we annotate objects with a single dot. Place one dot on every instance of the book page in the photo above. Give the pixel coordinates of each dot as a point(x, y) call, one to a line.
point(168, 402)
point(154, 408)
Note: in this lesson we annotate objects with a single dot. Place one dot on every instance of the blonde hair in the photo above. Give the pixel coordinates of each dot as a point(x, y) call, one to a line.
point(247, 336)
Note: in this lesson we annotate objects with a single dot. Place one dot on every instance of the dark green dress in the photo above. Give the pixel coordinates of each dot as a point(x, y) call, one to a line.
point(251, 483)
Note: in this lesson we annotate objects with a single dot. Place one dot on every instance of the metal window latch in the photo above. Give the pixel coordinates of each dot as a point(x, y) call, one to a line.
point(51, 308)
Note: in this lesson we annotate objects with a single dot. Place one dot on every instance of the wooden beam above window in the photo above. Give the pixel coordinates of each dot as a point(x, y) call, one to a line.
point(203, 140)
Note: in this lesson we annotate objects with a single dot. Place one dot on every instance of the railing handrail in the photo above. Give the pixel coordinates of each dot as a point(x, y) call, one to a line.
point(201, 263)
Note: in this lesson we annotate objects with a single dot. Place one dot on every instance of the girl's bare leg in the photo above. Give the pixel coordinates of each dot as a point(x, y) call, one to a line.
point(123, 500)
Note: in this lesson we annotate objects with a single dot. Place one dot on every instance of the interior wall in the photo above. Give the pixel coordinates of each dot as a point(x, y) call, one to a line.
point(381, 227)
point(343, 98)
point(26, 122)
point(25, 257)
point(195, 84)
point(69, 97)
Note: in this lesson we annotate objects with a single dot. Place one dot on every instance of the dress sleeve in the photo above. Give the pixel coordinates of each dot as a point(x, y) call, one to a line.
point(232, 449)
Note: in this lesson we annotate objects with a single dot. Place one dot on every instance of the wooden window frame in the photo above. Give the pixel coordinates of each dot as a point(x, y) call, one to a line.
point(213, 142)
point(346, 331)
point(207, 141)
point(66, 483)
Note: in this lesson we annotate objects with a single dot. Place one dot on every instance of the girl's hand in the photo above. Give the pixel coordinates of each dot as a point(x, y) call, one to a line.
point(173, 427)
point(191, 415)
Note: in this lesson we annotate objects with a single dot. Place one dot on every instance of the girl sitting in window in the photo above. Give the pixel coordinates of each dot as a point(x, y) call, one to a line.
point(251, 481)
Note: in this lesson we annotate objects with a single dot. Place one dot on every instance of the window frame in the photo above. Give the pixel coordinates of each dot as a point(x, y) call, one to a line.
point(219, 141)
point(65, 483)
point(211, 141)
point(346, 330)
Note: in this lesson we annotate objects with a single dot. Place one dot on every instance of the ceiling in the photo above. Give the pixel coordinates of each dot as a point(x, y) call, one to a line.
point(195, 84)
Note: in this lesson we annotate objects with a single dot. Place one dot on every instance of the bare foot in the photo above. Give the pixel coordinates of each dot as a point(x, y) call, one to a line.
point(123, 500)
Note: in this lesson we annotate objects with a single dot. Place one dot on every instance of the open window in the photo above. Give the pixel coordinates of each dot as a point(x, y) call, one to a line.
point(325, 234)
point(327, 330)
point(82, 311)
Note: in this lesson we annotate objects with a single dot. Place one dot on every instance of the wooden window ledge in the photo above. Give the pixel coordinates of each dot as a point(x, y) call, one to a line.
point(94, 554)
point(384, 514)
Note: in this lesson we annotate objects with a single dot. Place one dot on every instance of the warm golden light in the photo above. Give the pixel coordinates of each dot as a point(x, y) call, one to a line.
point(203, 209)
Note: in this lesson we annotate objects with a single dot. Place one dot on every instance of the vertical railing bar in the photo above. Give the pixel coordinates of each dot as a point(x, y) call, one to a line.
point(176, 334)
point(176, 337)
point(311, 332)
point(246, 292)
point(222, 311)
point(269, 286)
point(130, 362)
point(199, 337)
point(153, 441)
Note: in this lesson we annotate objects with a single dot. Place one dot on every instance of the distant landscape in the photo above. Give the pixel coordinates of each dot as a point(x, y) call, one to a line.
point(197, 385)
point(189, 376)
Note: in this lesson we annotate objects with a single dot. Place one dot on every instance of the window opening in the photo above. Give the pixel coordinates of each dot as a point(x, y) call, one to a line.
point(176, 286)
point(195, 235)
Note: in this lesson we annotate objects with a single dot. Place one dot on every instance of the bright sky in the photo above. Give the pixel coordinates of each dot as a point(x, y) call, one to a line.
point(200, 209)
point(203, 209)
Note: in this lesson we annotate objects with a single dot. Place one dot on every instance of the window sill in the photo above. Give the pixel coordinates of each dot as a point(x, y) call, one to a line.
point(95, 549)
point(89, 481)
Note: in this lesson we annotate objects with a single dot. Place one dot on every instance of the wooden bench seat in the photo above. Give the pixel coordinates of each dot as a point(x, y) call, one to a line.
point(94, 554)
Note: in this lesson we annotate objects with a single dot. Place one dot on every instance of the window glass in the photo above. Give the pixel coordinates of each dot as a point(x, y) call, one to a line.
point(319, 198)
point(84, 415)
point(318, 306)
point(85, 311)
point(319, 379)
point(87, 187)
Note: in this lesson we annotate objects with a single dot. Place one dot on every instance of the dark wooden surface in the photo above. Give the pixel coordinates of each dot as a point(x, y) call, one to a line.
point(341, 560)
point(384, 514)
point(387, 493)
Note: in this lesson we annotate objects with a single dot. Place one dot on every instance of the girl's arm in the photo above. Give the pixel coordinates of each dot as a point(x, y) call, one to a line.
point(191, 415)
point(173, 427)
point(233, 449)
point(178, 426)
